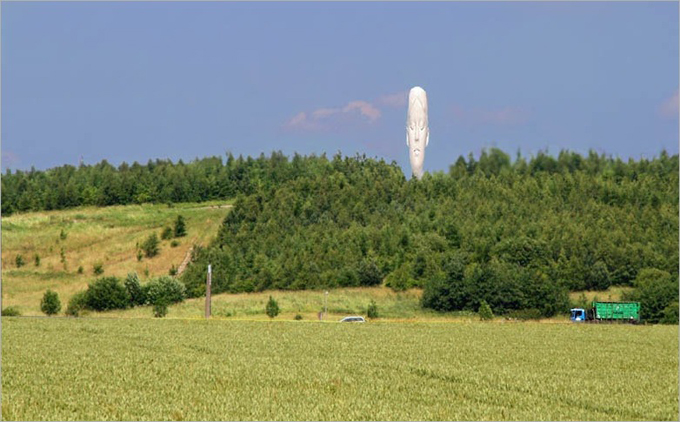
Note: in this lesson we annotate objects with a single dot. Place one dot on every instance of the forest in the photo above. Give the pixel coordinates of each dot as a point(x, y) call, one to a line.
point(517, 233)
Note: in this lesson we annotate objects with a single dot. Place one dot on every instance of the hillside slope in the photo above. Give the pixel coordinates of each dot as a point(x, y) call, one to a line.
point(92, 235)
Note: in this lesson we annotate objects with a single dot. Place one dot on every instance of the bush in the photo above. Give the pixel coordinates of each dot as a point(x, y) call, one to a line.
point(174, 243)
point(655, 290)
point(485, 312)
point(180, 227)
point(173, 270)
point(11, 311)
point(372, 311)
point(401, 279)
point(107, 293)
point(166, 233)
point(525, 314)
point(150, 246)
point(298, 317)
point(80, 269)
point(50, 303)
point(369, 274)
point(670, 314)
point(77, 304)
point(135, 291)
point(167, 289)
point(505, 287)
point(36, 260)
point(62, 235)
point(160, 308)
point(272, 308)
point(98, 268)
point(140, 255)
point(19, 260)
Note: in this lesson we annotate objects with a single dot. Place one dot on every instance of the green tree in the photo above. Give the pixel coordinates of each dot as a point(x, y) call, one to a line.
point(150, 246)
point(485, 312)
point(372, 311)
point(107, 293)
point(656, 290)
point(50, 303)
point(180, 227)
point(272, 308)
point(167, 233)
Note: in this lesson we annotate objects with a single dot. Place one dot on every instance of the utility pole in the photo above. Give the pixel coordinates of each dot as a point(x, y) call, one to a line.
point(325, 304)
point(208, 283)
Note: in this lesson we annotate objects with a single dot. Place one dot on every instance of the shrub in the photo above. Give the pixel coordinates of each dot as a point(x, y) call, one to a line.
point(50, 303)
point(160, 308)
point(135, 291)
point(98, 268)
point(150, 246)
point(401, 279)
point(173, 270)
point(166, 233)
point(36, 260)
point(140, 255)
point(166, 289)
point(107, 293)
point(80, 269)
point(298, 317)
point(670, 314)
point(272, 308)
point(63, 235)
point(11, 311)
point(180, 227)
point(369, 274)
point(655, 290)
point(485, 312)
point(77, 304)
point(525, 314)
point(174, 243)
point(19, 260)
point(372, 311)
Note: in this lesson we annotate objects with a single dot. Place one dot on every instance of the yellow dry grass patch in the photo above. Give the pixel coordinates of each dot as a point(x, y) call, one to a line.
point(109, 236)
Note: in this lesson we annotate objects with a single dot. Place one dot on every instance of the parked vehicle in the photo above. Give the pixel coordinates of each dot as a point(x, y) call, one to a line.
point(353, 319)
point(608, 311)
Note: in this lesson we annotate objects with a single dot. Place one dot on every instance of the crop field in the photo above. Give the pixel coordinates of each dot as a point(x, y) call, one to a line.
point(92, 235)
point(190, 369)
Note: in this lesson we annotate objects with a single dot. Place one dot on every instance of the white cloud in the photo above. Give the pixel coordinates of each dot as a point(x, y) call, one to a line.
point(396, 100)
point(669, 108)
point(324, 117)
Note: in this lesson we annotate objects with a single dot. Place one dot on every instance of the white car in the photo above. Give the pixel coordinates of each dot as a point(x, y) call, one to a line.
point(353, 319)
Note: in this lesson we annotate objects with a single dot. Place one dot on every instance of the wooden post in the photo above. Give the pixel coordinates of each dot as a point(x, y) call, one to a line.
point(207, 292)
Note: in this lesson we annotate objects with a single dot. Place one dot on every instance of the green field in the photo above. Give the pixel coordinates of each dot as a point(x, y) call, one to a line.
point(173, 369)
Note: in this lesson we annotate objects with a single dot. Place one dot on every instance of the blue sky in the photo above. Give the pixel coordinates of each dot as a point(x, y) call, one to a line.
point(137, 81)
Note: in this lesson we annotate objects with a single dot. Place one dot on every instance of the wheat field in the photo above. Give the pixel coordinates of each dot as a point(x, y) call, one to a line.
point(191, 369)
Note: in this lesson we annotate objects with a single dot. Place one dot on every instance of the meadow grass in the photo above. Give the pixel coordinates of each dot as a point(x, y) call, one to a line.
point(183, 369)
point(107, 235)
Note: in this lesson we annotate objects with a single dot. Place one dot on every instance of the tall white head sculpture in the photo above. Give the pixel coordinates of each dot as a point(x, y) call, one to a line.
point(417, 129)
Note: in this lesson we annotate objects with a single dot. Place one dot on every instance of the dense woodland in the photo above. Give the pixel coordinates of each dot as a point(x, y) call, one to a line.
point(518, 234)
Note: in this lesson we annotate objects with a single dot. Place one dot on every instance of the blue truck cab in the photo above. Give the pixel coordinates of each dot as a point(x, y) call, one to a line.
point(578, 314)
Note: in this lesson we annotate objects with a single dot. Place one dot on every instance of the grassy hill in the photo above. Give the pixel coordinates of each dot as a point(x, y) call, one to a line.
point(110, 236)
point(93, 235)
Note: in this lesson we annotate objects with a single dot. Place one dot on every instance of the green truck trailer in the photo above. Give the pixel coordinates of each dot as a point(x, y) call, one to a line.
point(609, 311)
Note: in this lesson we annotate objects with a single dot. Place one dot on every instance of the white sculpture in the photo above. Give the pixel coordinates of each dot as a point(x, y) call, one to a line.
point(417, 129)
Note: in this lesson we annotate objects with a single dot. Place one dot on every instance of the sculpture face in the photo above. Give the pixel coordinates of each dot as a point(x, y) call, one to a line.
point(417, 129)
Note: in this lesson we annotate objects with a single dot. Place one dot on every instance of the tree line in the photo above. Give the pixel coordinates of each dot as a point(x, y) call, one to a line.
point(516, 234)
point(159, 181)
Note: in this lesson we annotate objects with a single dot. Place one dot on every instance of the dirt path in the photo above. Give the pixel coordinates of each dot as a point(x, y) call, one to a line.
point(185, 262)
